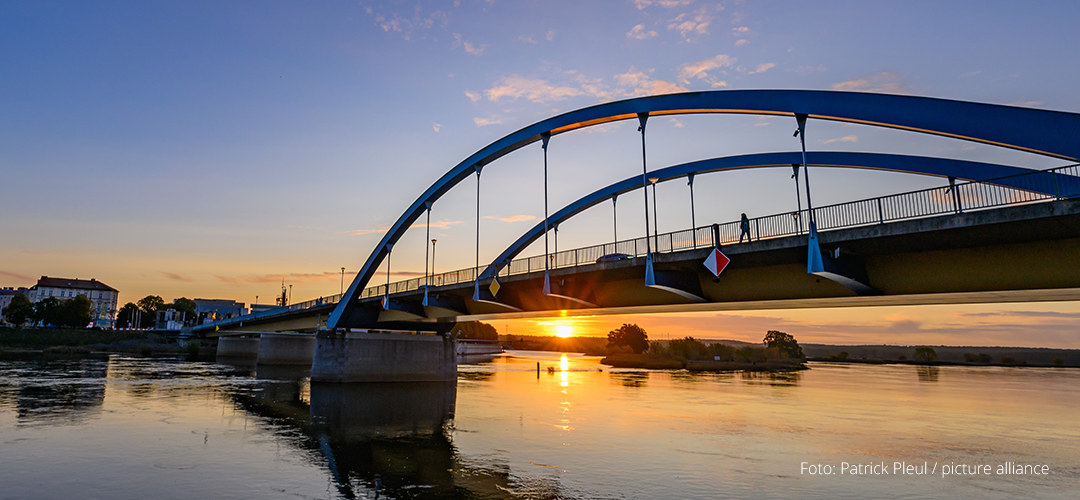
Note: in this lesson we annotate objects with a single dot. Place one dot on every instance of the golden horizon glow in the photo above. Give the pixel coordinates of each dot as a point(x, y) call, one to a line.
point(564, 331)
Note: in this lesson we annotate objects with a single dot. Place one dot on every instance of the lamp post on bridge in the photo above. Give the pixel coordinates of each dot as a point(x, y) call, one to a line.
point(342, 281)
point(433, 241)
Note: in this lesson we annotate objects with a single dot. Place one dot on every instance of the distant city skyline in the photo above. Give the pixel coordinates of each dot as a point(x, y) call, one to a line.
point(213, 150)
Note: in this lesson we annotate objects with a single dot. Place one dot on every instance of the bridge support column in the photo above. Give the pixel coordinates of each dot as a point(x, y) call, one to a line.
point(237, 348)
point(383, 357)
point(286, 349)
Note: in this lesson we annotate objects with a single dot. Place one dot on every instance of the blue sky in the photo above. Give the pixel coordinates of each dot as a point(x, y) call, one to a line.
point(211, 149)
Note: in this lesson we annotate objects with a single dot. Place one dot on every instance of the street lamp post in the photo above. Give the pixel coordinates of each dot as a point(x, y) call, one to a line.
point(342, 292)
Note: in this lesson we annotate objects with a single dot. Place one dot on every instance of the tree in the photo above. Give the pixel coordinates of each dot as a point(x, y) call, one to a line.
point(19, 310)
point(75, 312)
point(127, 316)
point(925, 354)
point(475, 330)
point(786, 344)
point(47, 311)
point(150, 304)
point(629, 335)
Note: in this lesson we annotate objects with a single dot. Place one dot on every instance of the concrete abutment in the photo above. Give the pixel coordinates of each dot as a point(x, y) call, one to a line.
point(383, 357)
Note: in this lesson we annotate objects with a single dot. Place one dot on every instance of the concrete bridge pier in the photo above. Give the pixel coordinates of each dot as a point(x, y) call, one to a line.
point(286, 349)
point(242, 349)
point(383, 357)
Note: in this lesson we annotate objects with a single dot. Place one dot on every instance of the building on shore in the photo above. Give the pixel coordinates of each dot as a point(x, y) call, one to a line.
point(210, 310)
point(6, 294)
point(103, 298)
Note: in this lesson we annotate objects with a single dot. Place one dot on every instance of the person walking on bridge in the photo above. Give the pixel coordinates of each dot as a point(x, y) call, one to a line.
point(744, 226)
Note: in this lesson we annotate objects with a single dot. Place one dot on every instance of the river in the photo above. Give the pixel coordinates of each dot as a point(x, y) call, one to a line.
point(122, 427)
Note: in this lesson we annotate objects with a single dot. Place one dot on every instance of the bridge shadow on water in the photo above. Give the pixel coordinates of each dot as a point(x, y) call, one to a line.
point(377, 440)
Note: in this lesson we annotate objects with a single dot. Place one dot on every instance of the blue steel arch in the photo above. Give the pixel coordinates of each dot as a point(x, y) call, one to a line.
point(1049, 133)
point(941, 167)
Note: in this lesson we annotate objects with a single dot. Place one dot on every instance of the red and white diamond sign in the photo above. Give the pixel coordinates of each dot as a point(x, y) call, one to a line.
point(717, 261)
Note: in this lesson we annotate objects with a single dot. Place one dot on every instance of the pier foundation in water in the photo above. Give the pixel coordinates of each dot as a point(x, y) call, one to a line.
point(383, 357)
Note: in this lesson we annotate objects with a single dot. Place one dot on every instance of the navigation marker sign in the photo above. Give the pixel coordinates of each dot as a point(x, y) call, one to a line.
point(716, 262)
point(495, 286)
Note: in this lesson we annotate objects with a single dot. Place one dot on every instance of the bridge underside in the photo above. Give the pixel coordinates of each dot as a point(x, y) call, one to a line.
point(1014, 254)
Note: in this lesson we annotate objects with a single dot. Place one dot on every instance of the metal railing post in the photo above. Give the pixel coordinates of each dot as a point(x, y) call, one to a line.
point(880, 212)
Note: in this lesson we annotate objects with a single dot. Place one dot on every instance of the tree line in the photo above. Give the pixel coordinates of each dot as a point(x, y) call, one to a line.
point(51, 311)
point(633, 338)
point(143, 313)
point(76, 312)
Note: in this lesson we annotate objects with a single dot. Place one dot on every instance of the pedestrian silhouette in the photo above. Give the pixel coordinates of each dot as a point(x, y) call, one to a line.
point(744, 225)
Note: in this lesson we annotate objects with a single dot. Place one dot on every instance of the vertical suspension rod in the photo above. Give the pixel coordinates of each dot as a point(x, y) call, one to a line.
point(643, 118)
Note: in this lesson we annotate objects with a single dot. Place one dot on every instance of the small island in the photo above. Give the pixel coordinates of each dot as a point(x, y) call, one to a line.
point(629, 347)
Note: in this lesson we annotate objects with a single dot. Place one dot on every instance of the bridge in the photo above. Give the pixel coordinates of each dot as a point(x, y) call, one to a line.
point(993, 233)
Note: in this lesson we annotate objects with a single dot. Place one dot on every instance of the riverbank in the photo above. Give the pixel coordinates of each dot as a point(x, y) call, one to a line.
point(661, 362)
point(83, 341)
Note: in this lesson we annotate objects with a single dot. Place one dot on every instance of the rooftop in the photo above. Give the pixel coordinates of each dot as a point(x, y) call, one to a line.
point(91, 284)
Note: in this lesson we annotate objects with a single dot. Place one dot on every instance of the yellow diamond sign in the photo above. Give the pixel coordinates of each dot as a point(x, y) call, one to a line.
point(495, 286)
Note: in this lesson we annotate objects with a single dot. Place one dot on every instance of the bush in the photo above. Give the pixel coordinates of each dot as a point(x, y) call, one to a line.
point(688, 348)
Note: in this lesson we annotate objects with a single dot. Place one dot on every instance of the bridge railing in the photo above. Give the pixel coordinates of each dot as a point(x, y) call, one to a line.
point(1032, 187)
point(1061, 182)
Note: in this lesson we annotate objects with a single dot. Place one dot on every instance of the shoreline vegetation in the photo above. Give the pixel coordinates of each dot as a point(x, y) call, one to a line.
point(628, 347)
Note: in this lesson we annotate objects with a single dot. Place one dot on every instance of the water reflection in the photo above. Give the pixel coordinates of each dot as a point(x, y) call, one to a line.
point(202, 430)
point(40, 397)
point(927, 373)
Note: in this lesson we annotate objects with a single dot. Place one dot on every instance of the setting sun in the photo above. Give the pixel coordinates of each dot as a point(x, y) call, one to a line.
point(564, 331)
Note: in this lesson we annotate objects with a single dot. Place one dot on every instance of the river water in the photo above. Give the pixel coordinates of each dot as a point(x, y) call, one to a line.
point(130, 428)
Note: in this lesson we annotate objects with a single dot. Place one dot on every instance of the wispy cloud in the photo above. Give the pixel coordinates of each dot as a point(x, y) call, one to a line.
point(700, 69)
point(17, 276)
point(491, 120)
point(408, 25)
point(1026, 104)
point(469, 47)
point(473, 96)
point(436, 126)
point(761, 68)
point(884, 82)
point(299, 278)
point(676, 123)
point(690, 27)
point(638, 32)
point(640, 83)
point(177, 276)
point(437, 224)
point(550, 35)
point(740, 42)
point(846, 138)
point(512, 218)
point(739, 31)
point(526, 39)
point(534, 89)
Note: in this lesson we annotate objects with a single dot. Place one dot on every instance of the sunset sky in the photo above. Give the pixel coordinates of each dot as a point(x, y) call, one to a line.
point(214, 149)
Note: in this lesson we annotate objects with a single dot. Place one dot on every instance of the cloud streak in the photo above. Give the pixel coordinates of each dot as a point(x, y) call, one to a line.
point(177, 276)
point(17, 276)
point(438, 224)
point(884, 82)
